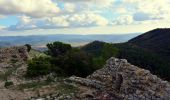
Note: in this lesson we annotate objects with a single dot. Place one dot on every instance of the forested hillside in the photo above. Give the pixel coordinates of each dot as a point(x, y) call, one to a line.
point(157, 41)
point(134, 54)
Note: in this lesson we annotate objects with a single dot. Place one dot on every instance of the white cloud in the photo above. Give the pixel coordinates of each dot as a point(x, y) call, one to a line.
point(58, 14)
point(63, 21)
point(120, 10)
point(103, 3)
point(99, 3)
point(2, 27)
point(69, 7)
point(34, 8)
point(88, 19)
point(123, 20)
point(1, 16)
point(59, 21)
point(149, 9)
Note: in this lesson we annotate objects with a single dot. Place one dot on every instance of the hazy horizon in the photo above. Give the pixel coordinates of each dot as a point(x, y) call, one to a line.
point(74, 40)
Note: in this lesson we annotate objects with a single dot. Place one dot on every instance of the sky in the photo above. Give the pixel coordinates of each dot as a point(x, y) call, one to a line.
point(35, 17)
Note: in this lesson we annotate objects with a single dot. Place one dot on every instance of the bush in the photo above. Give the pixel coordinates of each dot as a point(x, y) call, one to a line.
point(78, 63)
point(28, 47)
point(64, 61)
point(8, 83)
point(38, 66)
point(58, 48)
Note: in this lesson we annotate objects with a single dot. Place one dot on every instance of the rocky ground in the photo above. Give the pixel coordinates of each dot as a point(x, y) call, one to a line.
point(117, 80)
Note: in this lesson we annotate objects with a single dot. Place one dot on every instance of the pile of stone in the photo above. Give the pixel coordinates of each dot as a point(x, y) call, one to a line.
point(12, 55)
point(119, 80)
point(12, 64)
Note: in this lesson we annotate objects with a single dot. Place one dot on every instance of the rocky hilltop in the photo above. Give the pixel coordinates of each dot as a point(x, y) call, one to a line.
point(12, 63)
point(12, 55)
point(119, 80)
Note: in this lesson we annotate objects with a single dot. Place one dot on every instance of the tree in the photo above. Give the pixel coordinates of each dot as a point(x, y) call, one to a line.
point(58, 48)
point(28, 47)
point(109, 51)
point(78, 63)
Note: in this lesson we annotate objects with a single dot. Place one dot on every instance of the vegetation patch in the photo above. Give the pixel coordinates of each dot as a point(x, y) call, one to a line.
point(63, 60)
point(63, 88)
point(4, 76)
point(14, 60)
point(32, 85)
point(8, 83)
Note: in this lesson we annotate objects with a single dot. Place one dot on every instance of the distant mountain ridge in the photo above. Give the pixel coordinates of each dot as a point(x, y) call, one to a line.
point(157, 41)
point(77, 40)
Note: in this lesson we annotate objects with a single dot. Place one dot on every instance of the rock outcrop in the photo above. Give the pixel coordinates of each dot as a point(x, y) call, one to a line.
point(119, 80)
point(12, 55)
point(12, 63)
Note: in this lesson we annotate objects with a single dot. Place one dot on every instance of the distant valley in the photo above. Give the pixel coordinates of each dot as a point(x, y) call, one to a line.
point(39, 41)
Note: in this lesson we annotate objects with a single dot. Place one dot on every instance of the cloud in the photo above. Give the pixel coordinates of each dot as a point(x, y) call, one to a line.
point(88, 19)
point(63, 21)
point(99, 3)
point(69, 7)
point(57, 14)
point(2, 27)
point(120, 10)
point(123, 20)
point(34, 8)
point(140, 16)
point(25, 23)
point(1, 16)
point(149, 9)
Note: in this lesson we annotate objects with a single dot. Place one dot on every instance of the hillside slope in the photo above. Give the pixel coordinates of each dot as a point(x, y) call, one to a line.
point(136, 55)
point(157, 41)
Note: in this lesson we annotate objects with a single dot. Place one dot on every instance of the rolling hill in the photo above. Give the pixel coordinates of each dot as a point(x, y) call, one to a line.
point(157, 41)
point(150, 50)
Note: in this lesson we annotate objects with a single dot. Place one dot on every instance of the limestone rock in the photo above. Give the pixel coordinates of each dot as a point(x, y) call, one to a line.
point(119, 80)
point(13, 63)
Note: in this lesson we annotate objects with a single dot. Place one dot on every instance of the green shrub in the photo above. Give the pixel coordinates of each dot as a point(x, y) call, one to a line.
point(14, 60)
point(31, 85)
point(58, 48)
point(38, 66)
point(28, 47)
point(50, 79)
point(78, 63)
point(64, 61)
point(8, 83)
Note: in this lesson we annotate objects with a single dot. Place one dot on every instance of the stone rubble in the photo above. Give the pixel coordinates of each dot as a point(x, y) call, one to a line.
point(119, 80)
point(12, 64)
point(11, 55)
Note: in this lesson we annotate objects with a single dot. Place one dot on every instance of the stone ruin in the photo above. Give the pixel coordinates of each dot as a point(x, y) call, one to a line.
point(119, 80)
